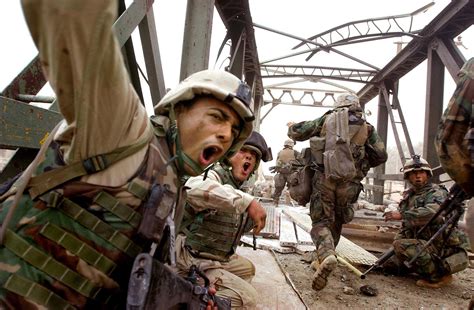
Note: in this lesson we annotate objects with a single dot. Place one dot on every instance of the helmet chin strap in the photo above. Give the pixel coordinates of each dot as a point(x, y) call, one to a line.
point(181, 157)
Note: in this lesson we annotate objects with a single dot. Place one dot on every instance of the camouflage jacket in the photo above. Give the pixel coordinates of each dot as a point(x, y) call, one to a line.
point(451, 143)
point(417, 207)
point(375, 152)
point(75, 244)
point(214, 193)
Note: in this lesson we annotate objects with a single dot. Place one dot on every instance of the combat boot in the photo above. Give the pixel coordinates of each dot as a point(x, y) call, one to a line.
point(446, 280)
point(320, 277)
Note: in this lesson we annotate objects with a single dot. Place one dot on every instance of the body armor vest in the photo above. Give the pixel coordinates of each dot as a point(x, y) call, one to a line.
point(75, 244)
point(284, 159)
point(215, 234)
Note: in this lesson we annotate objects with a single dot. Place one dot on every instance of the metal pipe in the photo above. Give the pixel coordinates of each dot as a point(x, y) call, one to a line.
point(356, 271)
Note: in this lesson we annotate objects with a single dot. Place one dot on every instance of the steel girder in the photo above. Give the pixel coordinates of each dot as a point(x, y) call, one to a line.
point(456, 17)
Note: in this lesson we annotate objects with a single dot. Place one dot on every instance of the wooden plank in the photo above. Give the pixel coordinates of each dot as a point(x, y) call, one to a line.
point(303, 249)
point(303, 237)
point(287, 232)
point(267, 244)
point(272, 225)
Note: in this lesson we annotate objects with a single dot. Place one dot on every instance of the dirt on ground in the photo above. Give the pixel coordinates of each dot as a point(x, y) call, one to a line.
point(393, 292)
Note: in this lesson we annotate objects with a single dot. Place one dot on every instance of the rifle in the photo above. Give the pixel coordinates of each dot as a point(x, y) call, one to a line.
point(450, 207)
point(153, 285)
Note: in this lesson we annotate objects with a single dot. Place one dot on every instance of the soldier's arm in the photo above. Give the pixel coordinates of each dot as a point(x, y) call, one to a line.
point(211, 194)
point(376, 148)
point(304, 130)
point(83, 62)
point(419, 216)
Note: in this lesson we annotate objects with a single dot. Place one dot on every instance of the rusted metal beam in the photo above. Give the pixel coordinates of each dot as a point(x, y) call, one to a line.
point(433, 105)
point(453, 20)
point(152, 56)
point(24, 125)
point(29, 81)
point(197, 37)
point(450, 55)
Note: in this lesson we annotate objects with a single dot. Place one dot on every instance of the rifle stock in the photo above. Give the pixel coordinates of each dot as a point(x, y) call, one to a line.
point(153, 285)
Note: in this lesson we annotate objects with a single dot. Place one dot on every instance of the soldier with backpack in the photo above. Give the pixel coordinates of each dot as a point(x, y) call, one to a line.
point(283, 168)
point(344, 147)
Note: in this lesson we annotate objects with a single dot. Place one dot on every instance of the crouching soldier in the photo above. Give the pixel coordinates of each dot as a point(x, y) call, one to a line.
point(447, 254)
point(216, 215)
point(75, 220)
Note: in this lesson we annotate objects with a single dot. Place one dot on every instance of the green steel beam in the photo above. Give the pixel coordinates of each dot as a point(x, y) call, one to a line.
point(24, 125)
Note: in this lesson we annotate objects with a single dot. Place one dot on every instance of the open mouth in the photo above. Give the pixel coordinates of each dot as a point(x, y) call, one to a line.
point(246, 167)
point(209, 154)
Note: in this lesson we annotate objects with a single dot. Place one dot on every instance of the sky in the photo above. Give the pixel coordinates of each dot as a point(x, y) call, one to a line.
point(302, 18)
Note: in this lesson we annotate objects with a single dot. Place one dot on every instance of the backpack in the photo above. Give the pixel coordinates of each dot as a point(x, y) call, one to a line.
point(300, 181)
point(337, 157)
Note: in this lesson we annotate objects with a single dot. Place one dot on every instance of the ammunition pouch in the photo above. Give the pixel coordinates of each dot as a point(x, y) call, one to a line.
point(155, 211)
point(317, 144)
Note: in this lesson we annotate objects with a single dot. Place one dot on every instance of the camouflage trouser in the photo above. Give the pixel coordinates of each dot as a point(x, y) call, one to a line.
point(428, 265)
point(281, 179)
point(231, 279)
point(331, 206)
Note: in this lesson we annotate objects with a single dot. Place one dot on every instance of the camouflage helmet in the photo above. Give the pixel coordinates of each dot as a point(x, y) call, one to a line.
point(223, 86)
point(347, 99)
point(257, 143)
point(289, 143)
point(416, 163)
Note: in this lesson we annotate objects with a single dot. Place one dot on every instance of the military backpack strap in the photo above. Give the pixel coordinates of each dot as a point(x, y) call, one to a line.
point(50, 179)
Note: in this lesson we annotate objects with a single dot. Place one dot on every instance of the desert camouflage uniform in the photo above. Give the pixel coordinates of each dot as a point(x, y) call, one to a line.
point(416, 208)
point(230, 273)
point(332, 202)
point(283, 167)
point(451, 144)
point(74, 245)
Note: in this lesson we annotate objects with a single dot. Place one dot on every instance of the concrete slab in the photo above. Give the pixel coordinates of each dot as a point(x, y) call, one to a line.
point(273, 290)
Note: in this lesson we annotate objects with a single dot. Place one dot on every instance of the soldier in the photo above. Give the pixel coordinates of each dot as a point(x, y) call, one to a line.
point(283, 168)
point(216, 216)
point(455, 140)
point(443, 257)
point(106, 181)
point(332, 200)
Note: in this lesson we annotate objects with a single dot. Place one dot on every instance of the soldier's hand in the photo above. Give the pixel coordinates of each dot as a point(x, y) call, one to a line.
point(258, 214)
point(289, 124)
point(392, 215)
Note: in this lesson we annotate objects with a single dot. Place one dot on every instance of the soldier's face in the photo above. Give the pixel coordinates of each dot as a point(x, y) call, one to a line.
point(243, 163)
point(418, 178)
point(207, 130)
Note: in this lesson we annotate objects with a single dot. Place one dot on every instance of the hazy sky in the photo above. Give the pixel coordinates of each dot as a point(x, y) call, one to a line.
point(302, 18)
